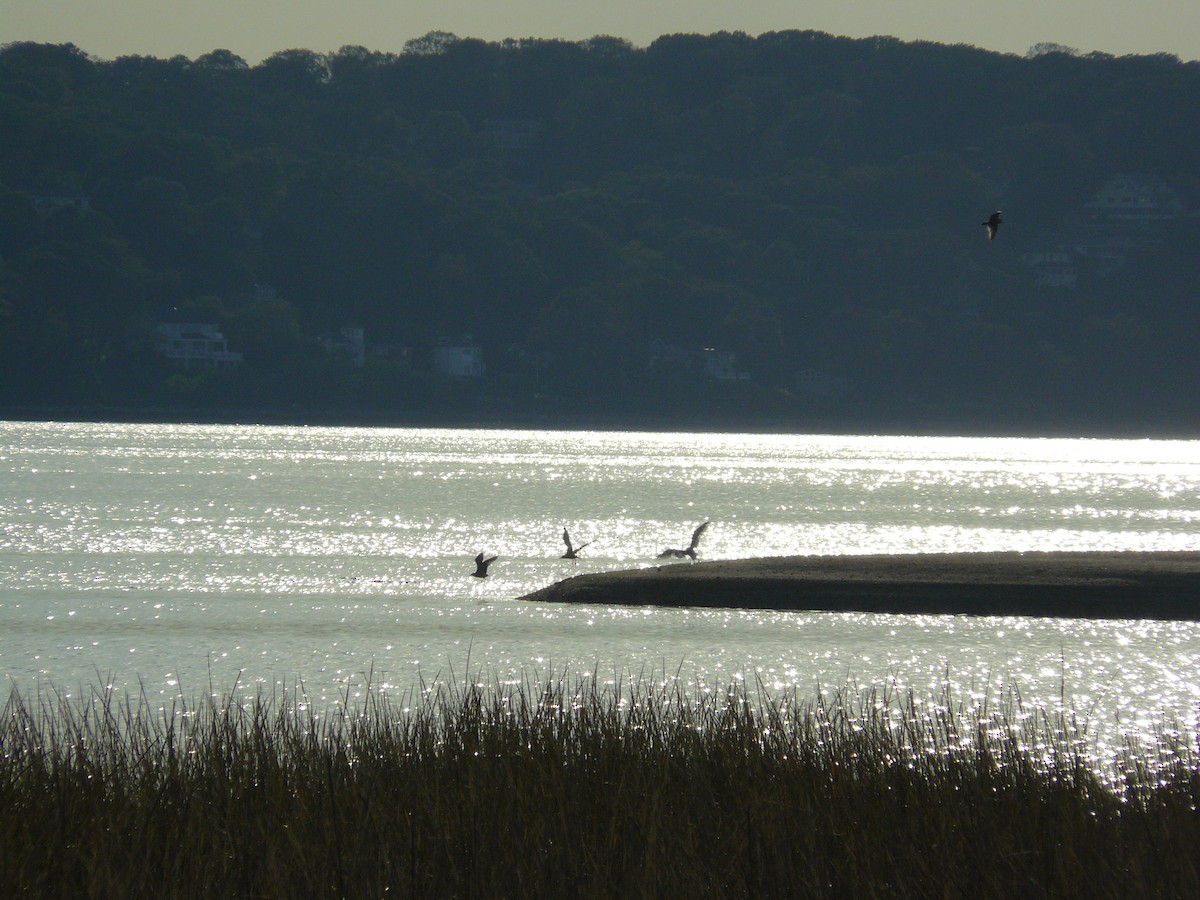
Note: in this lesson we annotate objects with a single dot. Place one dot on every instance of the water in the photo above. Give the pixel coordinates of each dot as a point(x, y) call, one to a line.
point(175, 559)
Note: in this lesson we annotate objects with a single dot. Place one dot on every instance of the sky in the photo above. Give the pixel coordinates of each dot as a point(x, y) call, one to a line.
point(254, 29)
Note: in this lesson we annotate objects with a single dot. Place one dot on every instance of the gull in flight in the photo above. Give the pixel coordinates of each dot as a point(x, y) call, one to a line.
point(572, 551)
point(993, 224)
point(481, 566)
point(669, 553)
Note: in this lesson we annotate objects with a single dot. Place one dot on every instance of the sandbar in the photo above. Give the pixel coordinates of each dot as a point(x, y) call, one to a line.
point(1101, 585)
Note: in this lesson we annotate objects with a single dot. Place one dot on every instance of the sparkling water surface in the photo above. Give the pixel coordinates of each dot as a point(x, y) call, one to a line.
point(172, 560)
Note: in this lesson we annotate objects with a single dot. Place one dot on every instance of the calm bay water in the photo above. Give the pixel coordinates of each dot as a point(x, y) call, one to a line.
point(172, 558)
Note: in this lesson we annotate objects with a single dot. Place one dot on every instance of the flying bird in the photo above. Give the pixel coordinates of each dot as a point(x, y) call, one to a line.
point(481, 566)
point(572, 551)
point(993, 224)
point(669, 553)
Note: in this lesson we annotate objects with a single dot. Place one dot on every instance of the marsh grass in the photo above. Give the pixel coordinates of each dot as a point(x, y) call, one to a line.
point(570, 788)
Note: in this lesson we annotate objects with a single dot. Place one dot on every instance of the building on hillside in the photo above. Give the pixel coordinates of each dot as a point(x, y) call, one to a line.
point(664, 356)
point(1135, 198)
point(397, 355)
point(458, 358)
point(816, 383)
point(513, 134)
point(348, 342)
point(719, 364)
point(708, 362)
point(196, 345)
point(1121, 217)
point(44, 202)
point(1053, 269)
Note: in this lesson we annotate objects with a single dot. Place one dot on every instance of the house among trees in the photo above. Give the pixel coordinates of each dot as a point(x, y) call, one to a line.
point(348, 342)
point(708, 362)
point(667, 357)
point(460, 359)
point(44, 202)
point(1053, 269)
point(1135, 198)
point(719, 364)
point(1122, 216)
point(396, 355)
point(802, 198)
point(196, 345)
point(513, 134)
point(816, 383)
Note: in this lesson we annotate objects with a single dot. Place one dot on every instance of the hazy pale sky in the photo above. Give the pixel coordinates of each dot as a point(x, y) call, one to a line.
point(255, 29)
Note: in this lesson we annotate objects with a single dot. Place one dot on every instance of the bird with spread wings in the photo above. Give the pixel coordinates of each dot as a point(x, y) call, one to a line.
point(993, 224)
point(481, 566)
point(572, 551)
point(690, 551)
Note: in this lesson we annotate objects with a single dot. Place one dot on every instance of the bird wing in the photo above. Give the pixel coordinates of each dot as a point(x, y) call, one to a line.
point(699, 533)
point(567, 541)
point(479, 559)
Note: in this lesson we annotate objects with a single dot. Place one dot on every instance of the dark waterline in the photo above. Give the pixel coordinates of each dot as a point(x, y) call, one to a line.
point(666, 422)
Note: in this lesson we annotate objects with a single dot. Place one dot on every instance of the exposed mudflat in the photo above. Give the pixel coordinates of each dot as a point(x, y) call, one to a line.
point(1159, 585)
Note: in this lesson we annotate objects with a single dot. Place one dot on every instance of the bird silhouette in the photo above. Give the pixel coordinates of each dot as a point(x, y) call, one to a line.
point(572, 551)
point(481, 566)
point(993, 224)
point(690, 552)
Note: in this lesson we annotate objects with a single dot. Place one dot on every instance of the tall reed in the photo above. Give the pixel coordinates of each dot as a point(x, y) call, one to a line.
point(567, 787)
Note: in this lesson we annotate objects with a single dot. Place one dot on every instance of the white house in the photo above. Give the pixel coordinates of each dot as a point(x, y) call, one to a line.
point(719, 364)
point(816, 383)
point(461, 360)
point(1053, 269)
point(44, 202)
point(1136, 198)
point(196, 344)
point(1121, 217)
point(708, 362)
point(350, 340)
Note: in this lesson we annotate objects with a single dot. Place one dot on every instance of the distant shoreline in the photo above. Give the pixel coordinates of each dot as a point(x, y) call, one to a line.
point(543, 421)
point(1118, 585)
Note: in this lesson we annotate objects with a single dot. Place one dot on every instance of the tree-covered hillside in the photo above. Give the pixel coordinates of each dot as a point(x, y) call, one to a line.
point(593, 216)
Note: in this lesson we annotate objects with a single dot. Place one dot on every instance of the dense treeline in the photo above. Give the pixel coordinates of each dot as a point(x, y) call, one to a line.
point(809, 203)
